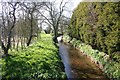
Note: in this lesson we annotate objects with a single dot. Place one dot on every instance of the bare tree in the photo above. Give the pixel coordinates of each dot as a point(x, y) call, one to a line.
point(64, 23)
point(54, 14)
point(31, 10)
point(8, 24)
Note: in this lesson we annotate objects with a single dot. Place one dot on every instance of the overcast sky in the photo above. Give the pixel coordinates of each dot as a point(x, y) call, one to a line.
point(72, 5)
point(75, 3)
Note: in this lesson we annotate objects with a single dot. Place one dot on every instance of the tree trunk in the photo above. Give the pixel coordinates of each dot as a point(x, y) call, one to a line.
point(24, 41)
point(6, 52)
point(55, 32)
point(17, 44)
point(21, 42)
point(29, 40)
point(55, 35)
point(14, 42)
point(31, 30)
point(4, 49)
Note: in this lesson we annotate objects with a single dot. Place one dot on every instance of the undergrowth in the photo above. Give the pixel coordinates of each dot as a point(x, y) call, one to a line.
point(39, 61)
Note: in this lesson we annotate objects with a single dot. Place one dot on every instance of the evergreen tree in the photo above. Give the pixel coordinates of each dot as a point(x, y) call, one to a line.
point(97, 24)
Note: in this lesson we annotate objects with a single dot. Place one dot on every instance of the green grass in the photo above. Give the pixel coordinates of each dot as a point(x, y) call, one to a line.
point(38, 61)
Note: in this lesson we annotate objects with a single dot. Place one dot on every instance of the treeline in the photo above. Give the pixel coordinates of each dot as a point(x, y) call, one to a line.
point(97, 24)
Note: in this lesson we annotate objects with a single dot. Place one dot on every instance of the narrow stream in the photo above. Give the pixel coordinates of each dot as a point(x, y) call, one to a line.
point(78, 66)
point(65, 58)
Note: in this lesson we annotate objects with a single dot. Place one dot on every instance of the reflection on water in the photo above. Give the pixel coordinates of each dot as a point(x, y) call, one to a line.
point(59, 39)
point(65, 58)
point(63, 50)
point(77, 65)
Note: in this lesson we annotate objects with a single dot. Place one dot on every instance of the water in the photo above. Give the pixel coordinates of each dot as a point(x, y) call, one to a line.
point(65, 59)
point(77, 65)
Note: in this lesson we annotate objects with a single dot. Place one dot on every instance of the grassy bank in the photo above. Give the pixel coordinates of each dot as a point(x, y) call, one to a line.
point(37, 62)
point(109, 67)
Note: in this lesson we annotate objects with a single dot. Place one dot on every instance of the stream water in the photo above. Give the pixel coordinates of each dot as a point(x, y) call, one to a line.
point(78, 66)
